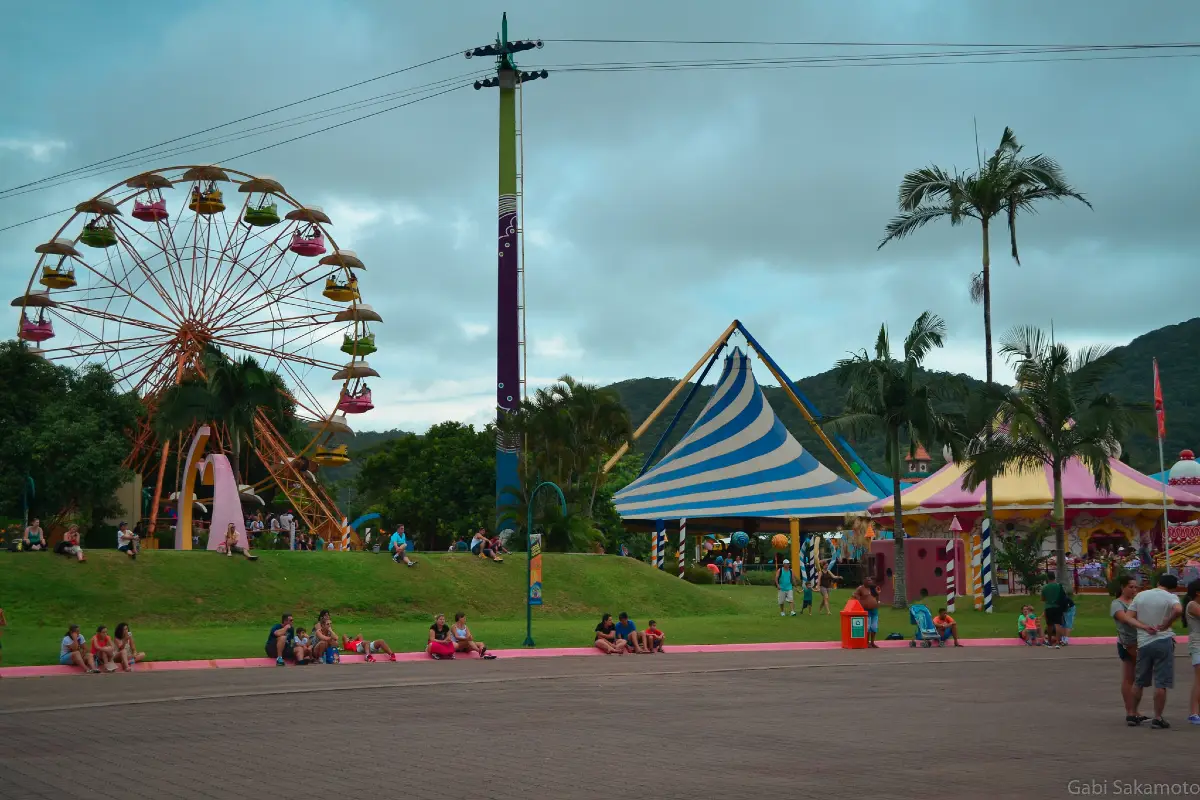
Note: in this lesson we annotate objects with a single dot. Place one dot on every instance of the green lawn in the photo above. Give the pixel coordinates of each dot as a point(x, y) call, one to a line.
point(199, 605)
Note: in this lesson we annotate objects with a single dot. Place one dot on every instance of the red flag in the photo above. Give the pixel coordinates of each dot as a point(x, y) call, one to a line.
point(1158, 404)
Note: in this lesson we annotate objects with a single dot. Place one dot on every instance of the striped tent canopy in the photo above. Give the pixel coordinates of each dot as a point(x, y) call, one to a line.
point(738, 460)
point(1031, 494)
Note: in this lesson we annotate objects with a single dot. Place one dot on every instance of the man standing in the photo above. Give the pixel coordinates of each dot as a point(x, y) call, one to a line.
point(868, 598)
point(784, 581)
point(288, 523)
point(1054, 597)
point(1153, 612)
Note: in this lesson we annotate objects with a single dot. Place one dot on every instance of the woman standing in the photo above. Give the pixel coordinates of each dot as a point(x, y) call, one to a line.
point(1191, 612)
point(1127, 589)
point(440, 645)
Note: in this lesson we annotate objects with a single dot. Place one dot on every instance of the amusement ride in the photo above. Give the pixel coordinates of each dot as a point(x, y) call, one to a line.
point(157, 270)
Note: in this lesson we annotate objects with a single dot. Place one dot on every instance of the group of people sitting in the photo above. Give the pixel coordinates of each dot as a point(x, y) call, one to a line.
point(445, 641)
point(103, 653)
point(286, 642)
point(623, 636)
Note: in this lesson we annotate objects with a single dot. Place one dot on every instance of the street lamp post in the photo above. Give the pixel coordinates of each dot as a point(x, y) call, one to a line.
point(562, 501)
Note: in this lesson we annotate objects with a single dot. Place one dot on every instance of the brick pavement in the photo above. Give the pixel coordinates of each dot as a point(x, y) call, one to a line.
point(974, 722)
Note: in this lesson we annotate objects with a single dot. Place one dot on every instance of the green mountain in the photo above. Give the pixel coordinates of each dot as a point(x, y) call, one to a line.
point(1177, 348)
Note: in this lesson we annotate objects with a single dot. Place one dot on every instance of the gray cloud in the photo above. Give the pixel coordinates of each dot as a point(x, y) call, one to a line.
point(660, 205)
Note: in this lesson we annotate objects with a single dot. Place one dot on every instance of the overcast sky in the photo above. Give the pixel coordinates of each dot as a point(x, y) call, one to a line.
point(660, 205)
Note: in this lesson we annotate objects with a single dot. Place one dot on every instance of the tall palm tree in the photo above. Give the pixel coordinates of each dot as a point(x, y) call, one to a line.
point(1006, 184)
point(894, 397)
point(227, 394)
point(1055, 413)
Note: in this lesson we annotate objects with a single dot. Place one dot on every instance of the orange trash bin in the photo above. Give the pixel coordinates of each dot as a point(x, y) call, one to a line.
point(854, 626)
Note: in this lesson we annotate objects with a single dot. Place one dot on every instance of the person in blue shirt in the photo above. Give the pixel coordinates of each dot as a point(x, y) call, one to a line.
point(784, 581)
point(398, 547)
point(627, 629)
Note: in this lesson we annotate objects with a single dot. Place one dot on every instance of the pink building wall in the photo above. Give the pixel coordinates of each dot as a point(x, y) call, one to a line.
point(925, 564)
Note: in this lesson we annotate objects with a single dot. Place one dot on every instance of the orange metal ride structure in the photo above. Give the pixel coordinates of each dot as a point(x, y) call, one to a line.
point(144, 289)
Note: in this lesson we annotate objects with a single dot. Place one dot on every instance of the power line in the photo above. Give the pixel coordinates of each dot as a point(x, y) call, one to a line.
point(843, 62)
point(237, 135)
point(240, 120)
point(278, 144)
point(762, 43)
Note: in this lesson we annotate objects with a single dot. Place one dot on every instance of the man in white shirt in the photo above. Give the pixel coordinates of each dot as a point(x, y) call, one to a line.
point(288, 523)
point(1153, 612)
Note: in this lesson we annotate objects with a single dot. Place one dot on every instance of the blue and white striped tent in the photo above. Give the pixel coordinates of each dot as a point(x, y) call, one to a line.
point(738, 460)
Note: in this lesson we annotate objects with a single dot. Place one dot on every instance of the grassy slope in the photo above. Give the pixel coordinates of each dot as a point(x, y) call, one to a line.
point(194, 605)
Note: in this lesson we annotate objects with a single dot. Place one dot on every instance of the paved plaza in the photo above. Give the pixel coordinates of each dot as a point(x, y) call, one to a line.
point(942, 723)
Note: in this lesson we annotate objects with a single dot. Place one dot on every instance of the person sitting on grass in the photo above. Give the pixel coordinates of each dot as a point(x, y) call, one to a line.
point(367, 648)
point(69, 546)
point(398, 547)
point(73, 651)
point(104, 652)
point(481, 546)
point(281, 643)
point(464, 642)
point(35, 537)
point(440, 645)
point(627, 630)
point(231, 546)
point(127, 541)
point(607, 641)
point(946, 626)
point(498, 546)
point(653, 637)
point(126, 650)
point(1028, 627)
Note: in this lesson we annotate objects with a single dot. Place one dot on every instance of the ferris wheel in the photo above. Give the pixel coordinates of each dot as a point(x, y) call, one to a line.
point(146, 286)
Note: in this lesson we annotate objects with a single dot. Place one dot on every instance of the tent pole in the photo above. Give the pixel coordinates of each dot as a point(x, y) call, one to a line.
point(623, 449)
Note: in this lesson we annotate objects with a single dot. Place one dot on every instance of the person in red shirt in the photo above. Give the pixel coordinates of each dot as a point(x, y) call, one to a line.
point(103, 649)
point(654, 637)
point(365, 648)
point(946, 626)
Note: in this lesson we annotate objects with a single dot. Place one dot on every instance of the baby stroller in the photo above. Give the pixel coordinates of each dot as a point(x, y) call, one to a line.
point(926, 633)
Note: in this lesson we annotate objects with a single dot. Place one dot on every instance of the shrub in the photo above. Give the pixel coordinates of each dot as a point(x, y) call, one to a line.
point(761, 577)
point(697, 575)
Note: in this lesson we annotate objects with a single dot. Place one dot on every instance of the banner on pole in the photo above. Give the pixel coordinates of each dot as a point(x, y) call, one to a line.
point(1159, 411)
point(535, 569)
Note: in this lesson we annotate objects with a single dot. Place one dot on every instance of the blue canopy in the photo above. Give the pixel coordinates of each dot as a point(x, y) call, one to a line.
point(738, 460)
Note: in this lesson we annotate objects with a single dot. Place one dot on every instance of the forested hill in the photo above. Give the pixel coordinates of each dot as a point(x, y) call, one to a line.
point(1177, 348)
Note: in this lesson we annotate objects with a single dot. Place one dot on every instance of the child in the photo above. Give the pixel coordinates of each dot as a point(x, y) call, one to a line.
point(1027, 626)
point(367, 648)
point(807, 599)
point(301, 639)
point(654, 637)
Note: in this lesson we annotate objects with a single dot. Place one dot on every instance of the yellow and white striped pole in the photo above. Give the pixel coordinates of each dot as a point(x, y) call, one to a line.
point(977, 571)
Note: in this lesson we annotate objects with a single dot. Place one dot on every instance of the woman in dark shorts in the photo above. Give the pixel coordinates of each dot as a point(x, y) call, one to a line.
point(1126, 644)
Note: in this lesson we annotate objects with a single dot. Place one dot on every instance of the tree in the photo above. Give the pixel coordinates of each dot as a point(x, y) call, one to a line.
point(440, 485)
point(1021, 553)
point(1008, 183)
point(895, 398)
point(1055, 413)
point(65, 429)
point(228, 394)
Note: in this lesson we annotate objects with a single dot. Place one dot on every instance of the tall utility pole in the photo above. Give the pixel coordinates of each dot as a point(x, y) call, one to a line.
point(508, 294)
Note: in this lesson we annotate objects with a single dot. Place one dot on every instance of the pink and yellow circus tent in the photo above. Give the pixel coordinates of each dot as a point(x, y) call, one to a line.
point(1134, 502)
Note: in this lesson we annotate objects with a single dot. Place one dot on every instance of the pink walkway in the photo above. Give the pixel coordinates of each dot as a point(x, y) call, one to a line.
point(545, 652)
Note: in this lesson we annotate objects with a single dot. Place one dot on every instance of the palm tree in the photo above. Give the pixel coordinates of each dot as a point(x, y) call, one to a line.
point(1055, 413)
point(227, 394)
point(893, 397)
point(1006, 184)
